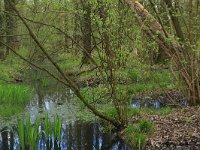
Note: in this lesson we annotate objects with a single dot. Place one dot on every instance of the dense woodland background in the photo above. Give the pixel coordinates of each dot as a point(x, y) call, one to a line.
point(127, 47)
point(113, 55)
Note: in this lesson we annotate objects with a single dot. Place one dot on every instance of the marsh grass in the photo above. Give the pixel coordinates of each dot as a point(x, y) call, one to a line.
point(29, 133)
point(47, 126)
point(32, 135)
point(21, 133)
point(9, 110)
point(57, 128)
point(136, 134)
point(13, 98)
point(11, 94)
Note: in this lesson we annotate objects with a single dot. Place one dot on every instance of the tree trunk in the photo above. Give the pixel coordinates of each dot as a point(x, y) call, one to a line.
point(67, 81)
point(11, 26)
point(175, 20)
point(1, 33)
point(186, 62)
point(36, 4)
point(66, 20)
point(87, 31)
point(106, 37)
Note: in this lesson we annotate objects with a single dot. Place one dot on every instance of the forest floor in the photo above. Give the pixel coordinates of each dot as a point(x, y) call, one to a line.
point(179, 130)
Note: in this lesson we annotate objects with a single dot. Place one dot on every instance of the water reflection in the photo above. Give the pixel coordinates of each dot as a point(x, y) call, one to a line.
point(75, 136)
point(138, 103)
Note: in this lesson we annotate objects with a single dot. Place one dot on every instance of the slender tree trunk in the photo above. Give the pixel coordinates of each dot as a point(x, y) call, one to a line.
point(66, 20)
point(36, 5)
point(11, 26)
point(87, 31)
point(67, 81)
point(106, 37)
point(76, 25)
point(175, 20)
point(162, 56)
point(186, 62)
point(1, 33)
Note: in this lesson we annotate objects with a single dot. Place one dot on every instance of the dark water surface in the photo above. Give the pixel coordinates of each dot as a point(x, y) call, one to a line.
point(75, 136)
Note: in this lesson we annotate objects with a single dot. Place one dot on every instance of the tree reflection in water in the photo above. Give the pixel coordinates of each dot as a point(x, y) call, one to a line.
point(75, 136)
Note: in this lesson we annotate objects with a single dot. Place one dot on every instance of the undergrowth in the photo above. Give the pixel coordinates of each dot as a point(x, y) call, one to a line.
point(13, 98)
point(136, 134)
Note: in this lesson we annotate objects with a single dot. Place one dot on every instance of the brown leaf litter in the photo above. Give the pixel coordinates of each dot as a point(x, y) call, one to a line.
point(180, 130)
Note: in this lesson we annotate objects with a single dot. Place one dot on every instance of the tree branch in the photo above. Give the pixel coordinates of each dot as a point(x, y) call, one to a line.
point(72, 84)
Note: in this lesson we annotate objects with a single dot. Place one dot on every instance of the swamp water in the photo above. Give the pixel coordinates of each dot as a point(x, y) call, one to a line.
point(76, 135)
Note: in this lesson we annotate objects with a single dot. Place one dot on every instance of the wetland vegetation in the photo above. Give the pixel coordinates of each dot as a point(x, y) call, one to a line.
point(99, 74)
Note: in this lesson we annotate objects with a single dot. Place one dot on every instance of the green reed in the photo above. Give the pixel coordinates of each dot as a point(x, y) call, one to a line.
point(32, 135)
point(13, 98)
point(47, 126)
point(15, 94)
point(57, 128)
point(29, 135)
point(21, 133)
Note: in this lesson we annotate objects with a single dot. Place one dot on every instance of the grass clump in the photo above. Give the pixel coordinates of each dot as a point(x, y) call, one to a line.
point(57, 128)
point(162, 111)
point(13, 98)
point(14, 94)
point(136, 135)
point(9, 110)
point(29, 134)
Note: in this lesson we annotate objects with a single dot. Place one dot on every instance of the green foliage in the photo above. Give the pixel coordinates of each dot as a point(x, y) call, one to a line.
point(57, 128)
point(162, 111)
point(134, 112)
point(140, 140)
point(146, 80)
point(70, 61)
point(134, 74)
point(11, 94)
point(29, 134)
point(45, 82)
point(9, 110)
point(137, 134)
point(95, 95)
point(110, 111)
point(145, 126)
point(47, 126)
point(12, 67)
point(13, 98)
point(139, 112)
point(85, 115)
point(21, 133)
